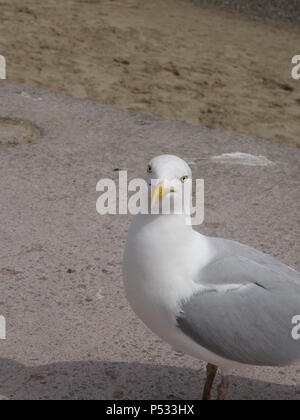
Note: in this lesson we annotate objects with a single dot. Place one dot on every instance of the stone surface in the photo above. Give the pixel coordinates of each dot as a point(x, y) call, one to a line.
point(70, 331)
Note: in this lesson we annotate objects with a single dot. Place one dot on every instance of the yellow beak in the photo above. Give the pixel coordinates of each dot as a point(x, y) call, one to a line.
point(159, 193)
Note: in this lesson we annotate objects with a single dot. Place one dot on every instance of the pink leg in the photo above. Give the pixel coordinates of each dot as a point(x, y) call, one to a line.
point(223, 388)
point(212, 371)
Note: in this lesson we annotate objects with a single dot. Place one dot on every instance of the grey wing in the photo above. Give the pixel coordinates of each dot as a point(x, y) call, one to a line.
point(244, 312)
point(230, 249)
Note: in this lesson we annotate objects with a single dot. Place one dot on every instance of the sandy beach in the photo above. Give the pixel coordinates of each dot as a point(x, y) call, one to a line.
point(168, 58)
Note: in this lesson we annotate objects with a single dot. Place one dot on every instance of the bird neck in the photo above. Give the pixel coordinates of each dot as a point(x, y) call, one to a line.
point(151, 236)
point(170, 222)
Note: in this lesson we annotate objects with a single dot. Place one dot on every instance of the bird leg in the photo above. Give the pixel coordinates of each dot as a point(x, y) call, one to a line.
point(223, 388)
point(212, 371)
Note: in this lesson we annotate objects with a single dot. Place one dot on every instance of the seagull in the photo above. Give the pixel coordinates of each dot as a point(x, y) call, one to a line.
point(219, 301)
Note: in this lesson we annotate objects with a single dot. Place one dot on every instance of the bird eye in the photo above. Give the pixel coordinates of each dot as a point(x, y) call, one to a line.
point(183, 178)
point(149, 169)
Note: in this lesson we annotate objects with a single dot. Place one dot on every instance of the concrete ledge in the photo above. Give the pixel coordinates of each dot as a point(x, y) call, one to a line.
point(70, 332)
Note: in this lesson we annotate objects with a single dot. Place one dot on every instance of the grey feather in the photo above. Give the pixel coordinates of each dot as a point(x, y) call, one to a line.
point(250, 324)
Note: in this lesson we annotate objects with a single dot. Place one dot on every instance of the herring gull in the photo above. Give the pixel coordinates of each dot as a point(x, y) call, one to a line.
point(217, 300)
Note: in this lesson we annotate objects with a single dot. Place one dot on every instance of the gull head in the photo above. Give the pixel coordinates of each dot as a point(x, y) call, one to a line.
point(166, 176)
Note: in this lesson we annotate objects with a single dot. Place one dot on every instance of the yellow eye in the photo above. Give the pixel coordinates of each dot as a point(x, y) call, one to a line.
point(149, 169)
point(184, 178)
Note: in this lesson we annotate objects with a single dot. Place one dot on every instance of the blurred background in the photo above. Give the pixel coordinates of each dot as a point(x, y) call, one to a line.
point(218, 64)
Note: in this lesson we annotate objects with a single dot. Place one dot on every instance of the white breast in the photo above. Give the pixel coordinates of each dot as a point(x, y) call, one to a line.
point(159, 265)
point(162, 258)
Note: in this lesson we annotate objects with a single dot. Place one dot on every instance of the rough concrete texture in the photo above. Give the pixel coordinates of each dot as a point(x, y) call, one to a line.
point(70, 331)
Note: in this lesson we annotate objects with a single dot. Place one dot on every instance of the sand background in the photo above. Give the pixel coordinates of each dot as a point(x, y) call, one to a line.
point(170, 58)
